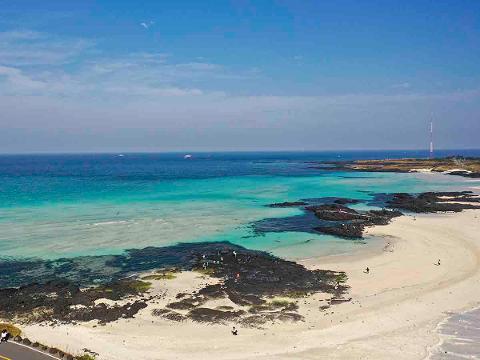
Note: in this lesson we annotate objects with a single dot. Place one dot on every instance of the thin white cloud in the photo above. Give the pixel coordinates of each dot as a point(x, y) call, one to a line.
point(147, 24)
point(19, 82)
point(127, 79)
point(149, 91)
point(24, 47)
point(404, 85)
point(138, 74)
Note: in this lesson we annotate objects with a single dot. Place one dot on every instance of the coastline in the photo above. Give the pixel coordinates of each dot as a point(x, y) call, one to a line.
point(408, 296)
point(393, 313)
point(458, 336)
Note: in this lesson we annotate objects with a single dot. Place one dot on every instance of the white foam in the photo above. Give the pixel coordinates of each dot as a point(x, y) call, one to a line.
point(110, 223)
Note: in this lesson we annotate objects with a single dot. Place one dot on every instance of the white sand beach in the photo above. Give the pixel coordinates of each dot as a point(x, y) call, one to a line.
point(393, 313)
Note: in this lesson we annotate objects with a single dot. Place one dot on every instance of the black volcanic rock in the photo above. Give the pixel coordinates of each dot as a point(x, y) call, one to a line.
point(345, 201)
point(381, 217)
point(65, 301)
point(430, 202)
point(246, 278)
point(345, 230)
point(353, 229)
point(258, 273)
point(334, 212)
point(331, 215)
point(288, 204)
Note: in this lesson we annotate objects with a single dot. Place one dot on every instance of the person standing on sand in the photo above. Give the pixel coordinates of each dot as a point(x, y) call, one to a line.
point(234, 331)
point(367, 270)
point(4, 336)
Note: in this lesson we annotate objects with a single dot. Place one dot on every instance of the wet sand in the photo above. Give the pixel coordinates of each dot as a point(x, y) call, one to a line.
point(459, 337)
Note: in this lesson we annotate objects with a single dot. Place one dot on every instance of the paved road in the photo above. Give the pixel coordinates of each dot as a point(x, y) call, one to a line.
point(12, 351)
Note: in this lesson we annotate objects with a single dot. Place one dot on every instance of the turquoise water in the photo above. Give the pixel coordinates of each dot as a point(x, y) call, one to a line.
point(54, 206)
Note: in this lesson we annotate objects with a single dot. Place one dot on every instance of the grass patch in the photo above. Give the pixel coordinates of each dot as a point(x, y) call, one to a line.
point(207, 271)
point(341, 278)
point(140, 286)
point(167, 275)
point(274, 305)
point(13, 330)
point(297, 294)
point(281, 303)
point(85, 357)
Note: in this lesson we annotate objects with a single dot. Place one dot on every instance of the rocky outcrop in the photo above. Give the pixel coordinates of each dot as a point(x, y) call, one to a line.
point(288, 204)
point(65, 302)
point(431, 202)
point(345, 230)
point(335, 212)
point(334, 217)
point(247, 278)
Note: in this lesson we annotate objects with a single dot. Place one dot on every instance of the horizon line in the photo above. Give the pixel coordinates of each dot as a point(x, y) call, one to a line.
point(108, 152)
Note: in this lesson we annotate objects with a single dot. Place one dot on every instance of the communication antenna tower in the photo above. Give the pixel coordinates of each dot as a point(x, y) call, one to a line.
point(431, 139)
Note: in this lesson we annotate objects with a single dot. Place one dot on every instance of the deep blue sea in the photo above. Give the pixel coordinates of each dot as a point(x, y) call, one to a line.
point(54, 206)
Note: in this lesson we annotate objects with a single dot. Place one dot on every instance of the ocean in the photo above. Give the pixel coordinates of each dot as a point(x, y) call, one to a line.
point(65, 206)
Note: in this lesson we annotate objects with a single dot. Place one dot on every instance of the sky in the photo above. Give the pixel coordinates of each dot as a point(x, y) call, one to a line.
point(214, 75)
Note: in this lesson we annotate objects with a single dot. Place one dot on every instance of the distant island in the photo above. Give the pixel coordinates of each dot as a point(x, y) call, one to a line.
point(463, 166)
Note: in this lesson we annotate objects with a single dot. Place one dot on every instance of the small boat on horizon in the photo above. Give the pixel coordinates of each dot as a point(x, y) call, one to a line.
point(188, 156)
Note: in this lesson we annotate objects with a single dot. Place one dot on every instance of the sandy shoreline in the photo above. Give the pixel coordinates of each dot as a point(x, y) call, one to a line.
point(393, 313)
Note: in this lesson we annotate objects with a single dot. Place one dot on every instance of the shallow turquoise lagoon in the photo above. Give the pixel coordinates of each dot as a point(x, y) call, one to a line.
point(90, 208)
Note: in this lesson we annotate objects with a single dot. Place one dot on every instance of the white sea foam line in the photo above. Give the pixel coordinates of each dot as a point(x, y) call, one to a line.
point(433, 350)
point(33, 349)
point(110, 223)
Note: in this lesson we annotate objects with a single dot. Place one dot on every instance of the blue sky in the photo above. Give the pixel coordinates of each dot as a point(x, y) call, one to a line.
point(238, 75)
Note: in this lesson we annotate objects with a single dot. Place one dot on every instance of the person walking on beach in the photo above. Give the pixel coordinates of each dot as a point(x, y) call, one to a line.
point(234, 331)
point(438, 262)
point(367, 270)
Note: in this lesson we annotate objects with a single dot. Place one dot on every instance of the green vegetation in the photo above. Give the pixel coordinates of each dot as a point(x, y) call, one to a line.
point(13, 330)
point(341, 278)
point(280, 303)
point(167, 275)
point(273, 305)
point(85, 357)
point(207, 271)
point(140, 286)
point(123, 288)
point(297, 294)
point(405, 165)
